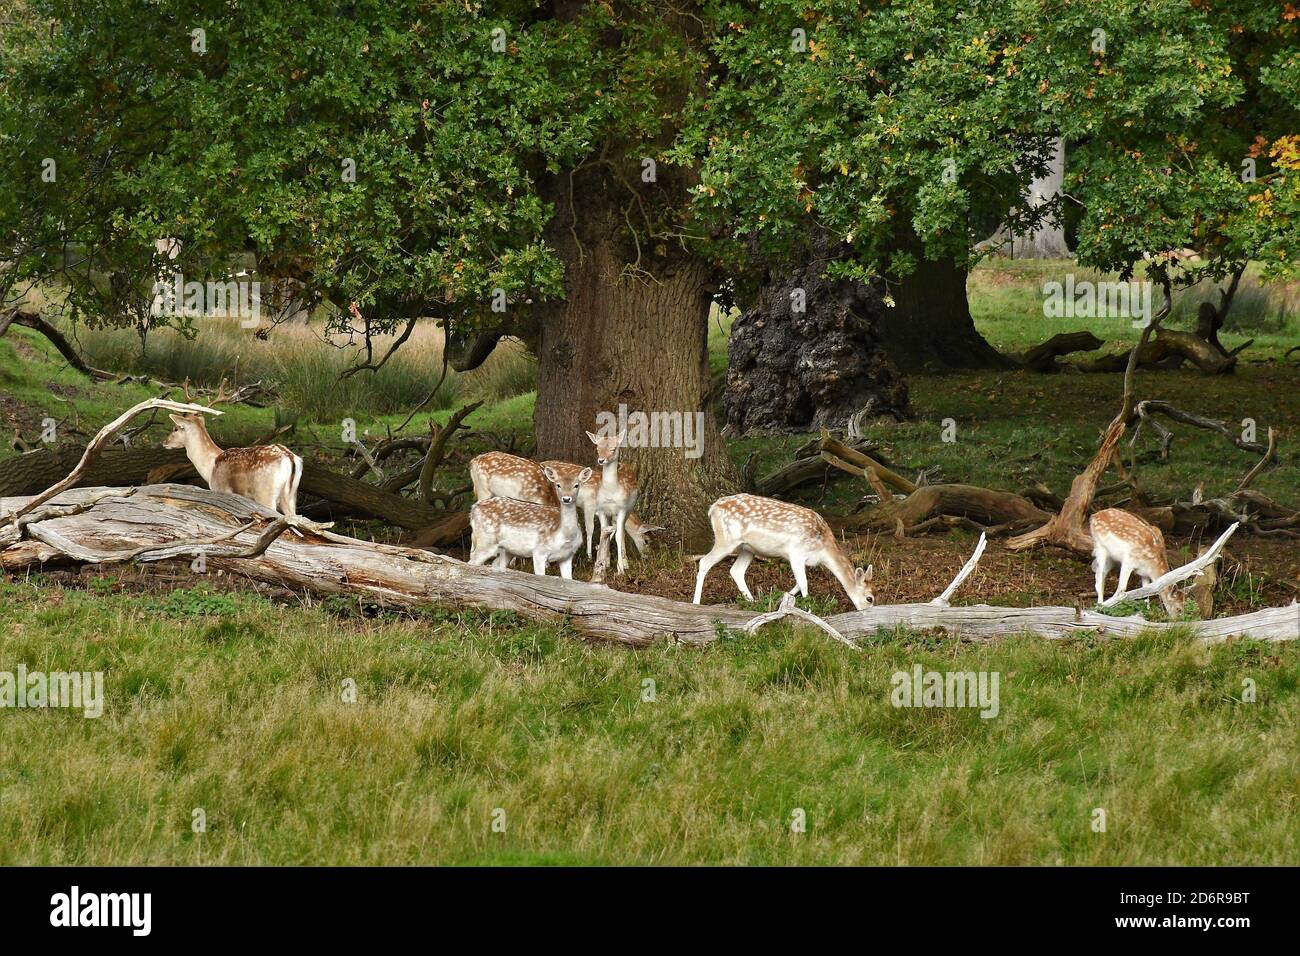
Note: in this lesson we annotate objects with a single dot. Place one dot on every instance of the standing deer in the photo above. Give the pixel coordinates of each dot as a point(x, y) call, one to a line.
point(1136, 545)
point(617, 491)
point(752, 525)
point(505, 528)
point(509, 476)
point(587, 502)
point(268, 474)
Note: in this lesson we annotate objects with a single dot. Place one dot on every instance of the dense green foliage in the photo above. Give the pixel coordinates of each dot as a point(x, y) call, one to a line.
point(901, 127)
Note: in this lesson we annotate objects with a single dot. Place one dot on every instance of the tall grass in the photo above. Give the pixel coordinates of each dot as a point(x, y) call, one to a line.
point(306, 367)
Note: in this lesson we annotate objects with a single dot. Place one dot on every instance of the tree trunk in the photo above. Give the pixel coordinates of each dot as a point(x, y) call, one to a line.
point(630, 336)
point(807, 355)
point(1048, 240)
point(930, 325)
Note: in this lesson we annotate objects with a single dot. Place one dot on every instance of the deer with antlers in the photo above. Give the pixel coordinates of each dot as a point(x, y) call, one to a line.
point(1120, 537)
point(747, 525)
point(267, 474)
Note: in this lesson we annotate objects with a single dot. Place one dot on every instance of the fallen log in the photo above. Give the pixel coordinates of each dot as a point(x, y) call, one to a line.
point(116, 467)
point(982, 506)
point(84, 526)
point(1042, 357)
point(1169, 349)
point(32, 320)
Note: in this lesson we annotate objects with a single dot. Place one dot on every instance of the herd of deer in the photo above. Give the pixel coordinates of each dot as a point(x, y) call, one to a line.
point(526, 509)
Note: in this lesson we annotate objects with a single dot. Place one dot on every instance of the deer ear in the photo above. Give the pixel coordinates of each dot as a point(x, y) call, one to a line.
point(868, 572)
point(176, 418)
point(586, 473)
point(550, 474)
point(594, 439)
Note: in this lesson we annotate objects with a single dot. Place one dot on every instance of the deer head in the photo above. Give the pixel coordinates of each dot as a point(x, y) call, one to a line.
point(861, 594)
point(607, 447)
point(567, 492)
point(189, 428)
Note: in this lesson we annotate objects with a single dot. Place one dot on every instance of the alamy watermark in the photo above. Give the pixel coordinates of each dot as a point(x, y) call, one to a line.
point(1098, 300)
point(947, 689)
point(655, 429)
point(234, 297)
point(79, 690)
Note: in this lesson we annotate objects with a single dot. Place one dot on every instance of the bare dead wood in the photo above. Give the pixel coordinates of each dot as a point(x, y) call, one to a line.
point(807, 467)
point(322, 562)
point(1169, 350)
point(835, 452)
point(787, 608)
point(1270, 454)
point(438, 446)
point(1151, 407)
point(103, 437)
point(965, 572)
point(449, 530)
point(1067, 529)
point(1042, 357)
point(984, 507)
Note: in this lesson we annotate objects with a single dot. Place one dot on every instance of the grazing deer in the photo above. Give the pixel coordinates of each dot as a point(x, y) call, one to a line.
point(506, 528)
point(268, 474)
point(587, 502)
point(616, 493)
point(752, 525)
point(1136, 545)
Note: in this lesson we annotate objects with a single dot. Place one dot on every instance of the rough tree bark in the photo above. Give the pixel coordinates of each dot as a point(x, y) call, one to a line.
point(808, 356)
point(632, 331)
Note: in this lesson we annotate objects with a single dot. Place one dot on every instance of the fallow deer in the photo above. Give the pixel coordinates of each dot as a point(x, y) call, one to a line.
point(268, 474)
point(748, 525)
point(617, 491)
point(504, 528)
point(1120, 537)
point(587, 502)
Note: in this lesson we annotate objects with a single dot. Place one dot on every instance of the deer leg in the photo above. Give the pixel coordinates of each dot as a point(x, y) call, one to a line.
point(566, 568)
point(539, 563)
point(589, 524)
point(800, 576)
point(481, 555)
point(620, 521)
point(502, 561)
point(1101, 564)
point(707, 562)
point(738, 570)
point(1125, 571)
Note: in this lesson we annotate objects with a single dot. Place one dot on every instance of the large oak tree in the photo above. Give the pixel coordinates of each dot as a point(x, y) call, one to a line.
point(590, 176)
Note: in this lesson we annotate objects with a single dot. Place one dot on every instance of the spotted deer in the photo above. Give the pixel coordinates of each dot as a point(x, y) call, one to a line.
point(505, 528)
point(637, 531)
point(504, 475)
point(1119, 537)
point(616, 493)
point(747, 525)
point(268, 474)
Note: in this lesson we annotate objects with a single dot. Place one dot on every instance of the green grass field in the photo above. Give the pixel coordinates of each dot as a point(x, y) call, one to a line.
point(234, 706)
point(480, 738)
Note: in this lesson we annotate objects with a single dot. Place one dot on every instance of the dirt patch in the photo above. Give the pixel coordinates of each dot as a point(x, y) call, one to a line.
point(1255, 573)
point(17, 417)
